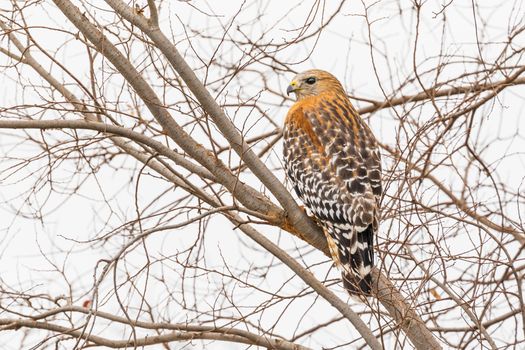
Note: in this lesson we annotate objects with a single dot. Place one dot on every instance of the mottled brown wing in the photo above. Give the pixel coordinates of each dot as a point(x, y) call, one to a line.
point(332, 160)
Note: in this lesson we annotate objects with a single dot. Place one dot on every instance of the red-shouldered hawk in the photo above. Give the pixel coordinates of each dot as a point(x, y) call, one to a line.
point(333, 161)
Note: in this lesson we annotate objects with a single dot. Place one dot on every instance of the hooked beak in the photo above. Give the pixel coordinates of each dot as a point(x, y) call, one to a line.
point(291, 88)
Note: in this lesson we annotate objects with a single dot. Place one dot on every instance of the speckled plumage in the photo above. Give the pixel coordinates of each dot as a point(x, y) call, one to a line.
point(332, 159)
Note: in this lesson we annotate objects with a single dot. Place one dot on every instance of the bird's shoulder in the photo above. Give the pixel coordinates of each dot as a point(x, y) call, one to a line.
point(297, 114)
point(302, 120)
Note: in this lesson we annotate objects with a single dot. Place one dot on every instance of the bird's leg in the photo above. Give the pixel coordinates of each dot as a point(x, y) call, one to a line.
point(312, 217)
point(288, 226)
point(334, 250)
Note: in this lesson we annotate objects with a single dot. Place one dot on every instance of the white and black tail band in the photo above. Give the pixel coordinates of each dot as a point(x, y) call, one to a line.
point(358, 262)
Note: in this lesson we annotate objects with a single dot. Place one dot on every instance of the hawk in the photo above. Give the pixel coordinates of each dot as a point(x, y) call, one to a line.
point(333, 162)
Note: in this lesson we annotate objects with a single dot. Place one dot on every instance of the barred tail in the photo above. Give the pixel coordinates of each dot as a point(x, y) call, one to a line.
point(357, 278)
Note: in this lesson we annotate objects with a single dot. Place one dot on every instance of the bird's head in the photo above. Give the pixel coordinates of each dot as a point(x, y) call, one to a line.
point(314, 82)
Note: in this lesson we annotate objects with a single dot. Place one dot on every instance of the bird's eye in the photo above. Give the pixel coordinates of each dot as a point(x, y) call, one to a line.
point(310, 81)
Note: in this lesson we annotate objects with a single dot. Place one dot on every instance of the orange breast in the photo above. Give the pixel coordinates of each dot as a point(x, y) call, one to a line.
point(298, 120)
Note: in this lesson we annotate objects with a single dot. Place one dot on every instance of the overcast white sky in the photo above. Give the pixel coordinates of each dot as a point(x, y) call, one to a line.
point(29, 247)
